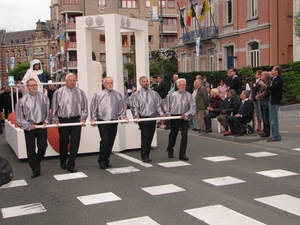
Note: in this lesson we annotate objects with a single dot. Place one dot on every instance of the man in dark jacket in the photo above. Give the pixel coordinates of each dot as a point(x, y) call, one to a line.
point(161, 88)
point(275, 89)
point(230, 105)
point(235, 83)
point(244, 115)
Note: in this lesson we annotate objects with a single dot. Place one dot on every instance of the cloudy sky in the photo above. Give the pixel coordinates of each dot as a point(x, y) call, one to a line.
point(18, 15)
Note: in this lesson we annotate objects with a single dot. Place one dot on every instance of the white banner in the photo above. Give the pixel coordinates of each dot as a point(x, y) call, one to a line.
point(198, 46)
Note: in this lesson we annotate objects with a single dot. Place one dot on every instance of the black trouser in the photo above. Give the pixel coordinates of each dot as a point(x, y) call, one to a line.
point(107, 134)
point(236, 123)
point(68, 135)
point(147, 131)
point(34, 158)
point(184, 126)
point(7, 110)
point(207, 118)
point(266, 119)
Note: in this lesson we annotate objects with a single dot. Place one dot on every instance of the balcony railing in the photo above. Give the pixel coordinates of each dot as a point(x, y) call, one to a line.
point(172, 28)
point(71, 64)
point(170, 44)
point(71, 26)
point(207, 32)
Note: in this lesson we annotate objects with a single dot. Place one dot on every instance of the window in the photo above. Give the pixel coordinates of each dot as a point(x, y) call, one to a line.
point(132, 40)
point(18, 53)
point(102, 2)
point(196, 62)
point(170, 41)
point(254, 54)
point(163, 3)
point(228, 11)
point(102, 38)
point(148, 3)
point(125, 59)
point(149, 20)
point(150, 39)
point(183, 62)
point(124, 40)
point(102, 57)
point(169, 21)
point(128, 3)
point(211, 61)
point(252, 8)
point(171, 4)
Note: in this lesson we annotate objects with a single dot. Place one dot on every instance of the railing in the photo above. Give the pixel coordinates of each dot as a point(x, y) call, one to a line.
point(207, 32)
point(71, 26)
point(72, 44)
point(70, 64)
point(170, 28)
point(170, 44)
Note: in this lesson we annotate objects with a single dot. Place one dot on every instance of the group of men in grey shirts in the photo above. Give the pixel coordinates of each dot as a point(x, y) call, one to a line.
point(70, 105)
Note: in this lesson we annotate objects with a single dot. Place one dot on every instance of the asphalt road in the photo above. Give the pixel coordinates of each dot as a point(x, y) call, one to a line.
point(58, 202)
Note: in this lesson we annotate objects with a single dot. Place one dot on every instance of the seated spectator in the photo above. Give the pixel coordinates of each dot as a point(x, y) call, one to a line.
point(222, 88)
point(244, 115)
point(214, 109)
point(230, 106)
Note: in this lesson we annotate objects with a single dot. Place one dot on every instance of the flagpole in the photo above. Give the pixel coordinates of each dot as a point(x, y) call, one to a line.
point(181, 15)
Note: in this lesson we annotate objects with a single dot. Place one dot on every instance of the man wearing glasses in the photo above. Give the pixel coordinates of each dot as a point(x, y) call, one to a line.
point(31, 110)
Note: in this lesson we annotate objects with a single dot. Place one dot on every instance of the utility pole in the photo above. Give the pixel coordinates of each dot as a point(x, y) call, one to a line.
point(161, 39)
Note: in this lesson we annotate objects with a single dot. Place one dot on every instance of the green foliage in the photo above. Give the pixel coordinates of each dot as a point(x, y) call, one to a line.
point(291, 84)
point(297, 24)
point(19, 71)
point(246, 74)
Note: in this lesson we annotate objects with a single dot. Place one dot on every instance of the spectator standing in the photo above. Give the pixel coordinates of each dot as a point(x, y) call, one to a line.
point(202, 102)
point(257, 111)
point(196, 122)
point(6, 101)
point(275, 88)
point(235, 83)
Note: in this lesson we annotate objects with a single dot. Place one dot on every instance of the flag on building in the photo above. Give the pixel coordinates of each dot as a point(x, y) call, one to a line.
point(62, 38)
point(198, 46)
point(12, 62)
point(101, 6)
point(190, 15)
point(205, 8)
point(181, 21)
point(154, 9)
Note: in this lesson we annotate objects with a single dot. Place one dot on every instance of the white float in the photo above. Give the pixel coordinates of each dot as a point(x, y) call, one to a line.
point(128, 136)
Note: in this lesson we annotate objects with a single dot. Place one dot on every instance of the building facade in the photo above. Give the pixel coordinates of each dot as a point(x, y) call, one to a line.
point(236, 34)
point(63, 17)
point(23, 46)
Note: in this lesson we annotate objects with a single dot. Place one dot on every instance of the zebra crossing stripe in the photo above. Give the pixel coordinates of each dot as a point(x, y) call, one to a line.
point(218, 214)
point(22, 210)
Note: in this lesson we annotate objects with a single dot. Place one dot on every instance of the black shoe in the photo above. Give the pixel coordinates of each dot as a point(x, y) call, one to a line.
point(265, 135)
point(167, 128)
point(208, 130)
point(103, 166)
point(63, 166)
point(72, 170)
point(108, 165)
point(239, 134)
point(34, 175)
point(147, 160)
point(184, 158)
point(170, 155)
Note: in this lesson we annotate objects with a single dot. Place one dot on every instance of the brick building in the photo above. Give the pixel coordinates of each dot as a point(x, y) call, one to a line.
point(64, 13)
point(236, 34)
point(25, 45)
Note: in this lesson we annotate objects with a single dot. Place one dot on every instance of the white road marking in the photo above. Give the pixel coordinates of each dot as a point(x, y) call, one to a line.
point(284, 202)
point(145, 220)
point(98, 198)
point(218, 214)
point(14, 183)
point(22, 210)
point(70, 176)
point(128, 169)
point(296, 149)
point(140, 162)
point(219, 158)
point(261, 154)
point(174, 164)
point(276, 173)
point(221, 181)
point(163, 189)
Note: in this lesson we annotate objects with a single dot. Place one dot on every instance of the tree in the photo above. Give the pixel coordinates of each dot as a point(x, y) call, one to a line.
point(19, 70)
point(297, 24)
